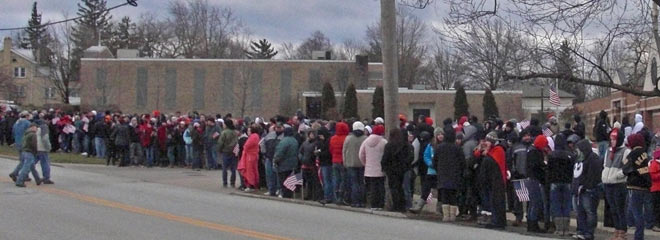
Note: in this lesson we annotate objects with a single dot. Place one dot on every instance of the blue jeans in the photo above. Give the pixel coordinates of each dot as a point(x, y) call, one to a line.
point(407, 188)
point(636, 204)
point(616, 197)
point(86, 143)
point(338, 176)
point(649, 218)
point(75, 143)
point(356, 182)
point(586, 206)
point(189, 154)
point(560, 199)
point(536, 196)
point(602, 148)
point(326, 172)
point(228, 164)
point(211, 156)
point(20, 166)
point(28, 165)
point(66, 140)
point(149, 155)
point(271, 177)
point(99, 143)
point(170, 154)
point(42, 158)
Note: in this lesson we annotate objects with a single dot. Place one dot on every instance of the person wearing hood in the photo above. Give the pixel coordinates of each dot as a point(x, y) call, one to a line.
point(371, 154)
point(338, 169)
point(311, 184)
point(410, 177)
point(601, 133)
point(517, 163)
point(585, 187)
point(579, 127)
point(468, 205)
point(431, 180)
point(324, 156)
point(248, 166)
point(492, 181)
point(285, 159)
point(397, 157)
point(354, 167)
point(560, 170)
point(267, 146)
point(654, 171)
point(638, 182)
point(639, 123)
point(536, 180)
point(614, 181)
point(448, 161)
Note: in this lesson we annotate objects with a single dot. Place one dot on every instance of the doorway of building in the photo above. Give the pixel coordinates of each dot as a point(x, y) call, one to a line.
point(313, 108)
point(420, 111)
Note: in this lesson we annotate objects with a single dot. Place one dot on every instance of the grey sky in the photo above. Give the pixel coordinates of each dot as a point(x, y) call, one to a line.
point(276, 20)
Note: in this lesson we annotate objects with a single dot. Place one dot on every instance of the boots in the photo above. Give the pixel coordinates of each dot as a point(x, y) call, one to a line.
point(445, 212)
point(417, 206)
point(567, 226)
point(533, 227)
point(453, 211)
point(558, 225)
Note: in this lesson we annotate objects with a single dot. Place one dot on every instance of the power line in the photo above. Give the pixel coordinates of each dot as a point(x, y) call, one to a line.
point(128, 2)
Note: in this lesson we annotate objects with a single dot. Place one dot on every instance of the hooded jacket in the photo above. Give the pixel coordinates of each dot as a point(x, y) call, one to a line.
point(397, 157)
point(602, 127)
point(325, 158)
point(371, 154)
point(560, 162)
point(351, 149)
point(337, 142)
point(535, 159)
point(639, 124)
point(306, 152)
point(518, 160)
point(121, 134)
point(654, 171)
point(636, 165)
point(613, 161)
point(449, 162)
point(286, 152)
point(587, 168)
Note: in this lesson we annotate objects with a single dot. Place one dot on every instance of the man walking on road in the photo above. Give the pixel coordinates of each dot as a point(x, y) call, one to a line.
point(28, 151)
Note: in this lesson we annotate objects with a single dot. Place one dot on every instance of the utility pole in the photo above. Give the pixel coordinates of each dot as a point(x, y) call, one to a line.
point(390, 66)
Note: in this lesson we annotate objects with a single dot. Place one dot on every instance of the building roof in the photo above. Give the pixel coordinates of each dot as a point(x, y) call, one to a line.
point(24, 53)
point(530, 91)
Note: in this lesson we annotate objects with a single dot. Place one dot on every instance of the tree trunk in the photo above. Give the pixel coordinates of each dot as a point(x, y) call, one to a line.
point(390, 71)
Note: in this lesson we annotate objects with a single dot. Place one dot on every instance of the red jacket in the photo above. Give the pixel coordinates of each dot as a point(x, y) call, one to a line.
point(499, 155)
point(145, 131)
point(654, 170)
point(162, 137)
point(337, 142)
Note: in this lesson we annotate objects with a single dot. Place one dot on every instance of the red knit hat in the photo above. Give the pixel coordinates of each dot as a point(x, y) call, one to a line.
point(541, 142)
point(379, 130)
point(635, 140)
point(429, 121)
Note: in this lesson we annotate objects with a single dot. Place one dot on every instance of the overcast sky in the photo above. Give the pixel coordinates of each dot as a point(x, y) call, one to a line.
point(276, 20)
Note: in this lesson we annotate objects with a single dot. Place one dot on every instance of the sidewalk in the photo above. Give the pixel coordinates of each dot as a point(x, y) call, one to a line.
point(429, 214)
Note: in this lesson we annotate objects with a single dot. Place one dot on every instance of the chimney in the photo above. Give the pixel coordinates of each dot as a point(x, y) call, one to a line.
point(6, 50)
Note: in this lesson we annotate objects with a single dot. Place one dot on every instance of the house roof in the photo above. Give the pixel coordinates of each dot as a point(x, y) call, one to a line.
point(530, 91)
point(24, 53)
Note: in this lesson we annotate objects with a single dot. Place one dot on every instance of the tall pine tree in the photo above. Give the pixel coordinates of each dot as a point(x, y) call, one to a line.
point(37, 37)
point(123, 36)
point(94, 21)
point(328, 101)
point(378, 103)
point(261, 50)
point(565, 65)
point(461, 107)
point(489, 105)
point(350, 103)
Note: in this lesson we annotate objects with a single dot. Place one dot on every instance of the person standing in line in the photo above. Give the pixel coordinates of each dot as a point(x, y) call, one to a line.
point(638, 182)
point(654, 171)
point(121, 135)
point(493, 177)
point(135, 147)
point(338, 169)
point(355, 168)
point(371, 154)
point(560, 166)
point(197, 134)
point(536, 181)
point(431, 175)
point(586, 180)
point(249, 163)
point(518, 166)
point(324, 156)
point(614, 181)
point(285, 159)
point(448, 161)
point(226, 146)
point(311, 184)
point(188, 141)
point(396, 161)
point(211, 135)
point(267, 146)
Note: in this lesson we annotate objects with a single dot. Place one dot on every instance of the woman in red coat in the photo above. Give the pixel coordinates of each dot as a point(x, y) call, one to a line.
point(249, 162)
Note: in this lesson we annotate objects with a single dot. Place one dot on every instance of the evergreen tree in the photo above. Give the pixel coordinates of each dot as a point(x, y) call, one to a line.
point(351, 103)
point(260, 50)
point(461, 107)
point(37, 38)
point(489, 105)
point(94, 21)
point(328, 101)
point(123, 36)
point(378, 103)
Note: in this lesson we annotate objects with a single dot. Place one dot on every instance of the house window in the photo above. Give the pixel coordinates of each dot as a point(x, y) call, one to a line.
point(74, 92)
point(20, 91)
point(19, 72)
point(49, 92)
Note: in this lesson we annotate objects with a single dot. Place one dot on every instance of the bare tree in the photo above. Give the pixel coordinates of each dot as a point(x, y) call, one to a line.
point(349, 49)
point(62, 70)
point(445, 69)
point(316, 42)
point(287, 51)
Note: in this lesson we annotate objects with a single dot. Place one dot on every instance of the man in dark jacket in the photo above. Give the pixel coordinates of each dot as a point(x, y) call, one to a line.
point(536, 181)
point(28, 152)
point(639, 181)
point(122, 136)
point(586, 179)
point(267, 147)
point(397, 157)
point(226, 144)
point(325, 164)
point(560, 176)
point(517, 163)
point(448, 161)
point(601, 132)
point(285, 159)
point(579, 128)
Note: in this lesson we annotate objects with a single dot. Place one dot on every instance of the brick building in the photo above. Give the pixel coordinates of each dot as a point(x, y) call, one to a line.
point(619, 105)
point(254, 87)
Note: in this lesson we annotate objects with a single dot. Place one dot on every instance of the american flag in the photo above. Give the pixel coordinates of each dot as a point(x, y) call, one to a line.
point(521, 190)
point(547, 132)
point(554, 96)
point(293, 180)
point(429, 199)
point(524, 124)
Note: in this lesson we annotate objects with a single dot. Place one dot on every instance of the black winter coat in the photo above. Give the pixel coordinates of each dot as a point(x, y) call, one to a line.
point(535, 165)
point(636, 167)
point(397, 158)
point(449, 162)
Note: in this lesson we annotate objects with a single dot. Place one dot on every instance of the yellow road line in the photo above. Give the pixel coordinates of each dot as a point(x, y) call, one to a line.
point(158, 214)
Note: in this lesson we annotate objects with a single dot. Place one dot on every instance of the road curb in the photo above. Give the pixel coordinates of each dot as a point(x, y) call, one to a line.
point(316, 204)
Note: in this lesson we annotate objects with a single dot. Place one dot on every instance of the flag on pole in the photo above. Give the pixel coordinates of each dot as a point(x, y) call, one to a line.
point(293, 180)
point(521, 190)
point(429, 199)
point(547, 132)
point(554, 96)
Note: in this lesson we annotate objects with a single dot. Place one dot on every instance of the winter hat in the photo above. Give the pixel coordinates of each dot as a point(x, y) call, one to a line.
point(617, 125)
point(492, 137)
point(540, 142)
point(402, 118)
point(379, 130)
point(573, 138)
point(379, 120)
point(635, 140)
point(368, 129)
point(358, 126)
point(429, 121)
point(459, 136)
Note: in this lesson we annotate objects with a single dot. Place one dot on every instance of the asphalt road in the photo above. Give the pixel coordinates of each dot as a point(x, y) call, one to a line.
point(98, 202)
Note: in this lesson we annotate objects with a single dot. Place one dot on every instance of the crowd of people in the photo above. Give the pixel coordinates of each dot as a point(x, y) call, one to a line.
point(480, 170)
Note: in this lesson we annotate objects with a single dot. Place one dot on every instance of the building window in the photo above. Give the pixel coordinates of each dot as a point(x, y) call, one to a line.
point(74, 92)
point(19, 72)
point(20, 91)
point(49, 93)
